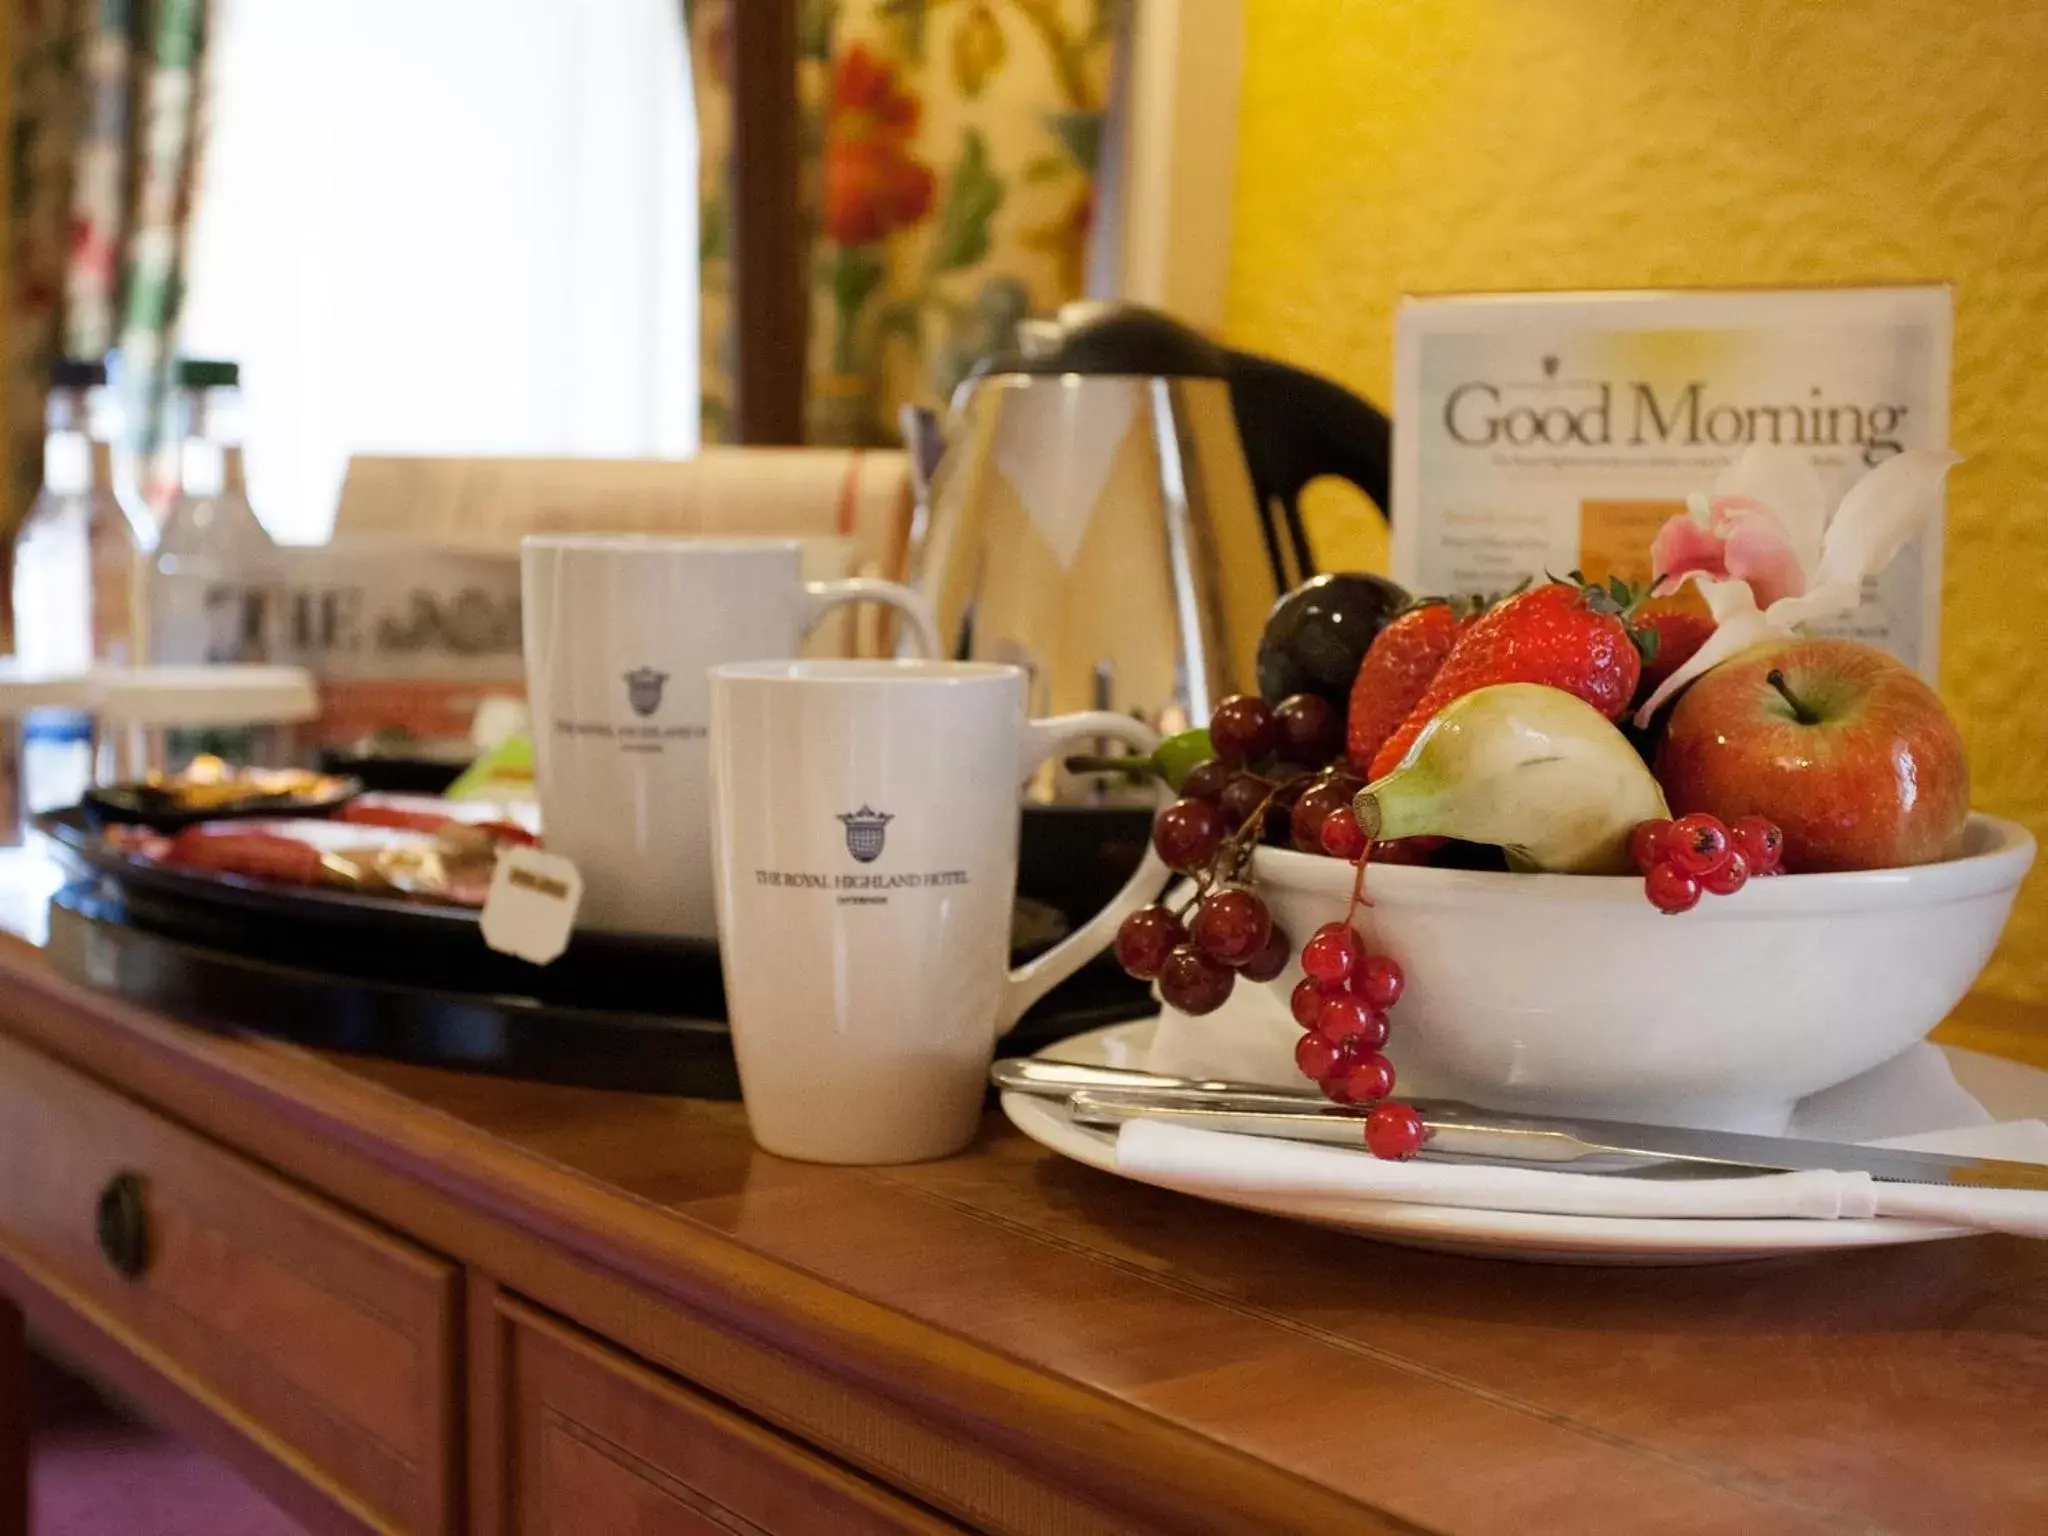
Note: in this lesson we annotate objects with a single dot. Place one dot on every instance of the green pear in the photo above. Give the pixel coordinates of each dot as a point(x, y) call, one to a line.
point(1534, 770)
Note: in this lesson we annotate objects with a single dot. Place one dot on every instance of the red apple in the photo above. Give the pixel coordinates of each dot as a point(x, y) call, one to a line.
point(1845, 748)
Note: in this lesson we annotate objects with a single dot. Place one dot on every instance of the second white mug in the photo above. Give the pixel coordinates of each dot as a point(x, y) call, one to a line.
point(867, 825)
point(619, 634)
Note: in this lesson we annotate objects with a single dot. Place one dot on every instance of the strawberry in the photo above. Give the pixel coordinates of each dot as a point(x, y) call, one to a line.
point(1396, 670)
point(1563, 634)
point(1667, 637)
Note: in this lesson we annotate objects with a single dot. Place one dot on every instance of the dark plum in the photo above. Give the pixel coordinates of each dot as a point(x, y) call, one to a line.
point(1317, 634)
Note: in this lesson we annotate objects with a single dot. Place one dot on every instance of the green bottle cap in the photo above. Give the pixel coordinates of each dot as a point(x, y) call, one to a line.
point(207, 373)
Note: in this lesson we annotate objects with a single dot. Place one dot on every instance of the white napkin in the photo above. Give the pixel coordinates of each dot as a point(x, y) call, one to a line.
point(1222, 1164)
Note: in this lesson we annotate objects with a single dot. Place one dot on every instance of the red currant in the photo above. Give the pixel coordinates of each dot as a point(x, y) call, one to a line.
point(1729, 878)
point(1315, 1056)
point(1145, 939)
point(1243, 730)
point(1341, 836)
point(1395, 1132)
point(1331, 954)
point(1344, 1017)
point(1349, 1054)
point(1760, 842)
point(1207, 781)
point(1379, 980)
point(1269, 962)
point(1370, 1079)
point(1671, 889)
point(1187, 834)
point(1310, 731)
point(1306, 1002)
point(1231, 926)
point(1697, 844)
point(1192, 983)
point(1645, 844)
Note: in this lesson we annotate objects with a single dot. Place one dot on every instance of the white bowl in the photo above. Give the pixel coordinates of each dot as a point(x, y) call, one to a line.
point(1570, 994)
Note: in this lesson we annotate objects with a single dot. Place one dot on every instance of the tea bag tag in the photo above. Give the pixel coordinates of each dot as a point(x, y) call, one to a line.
point(531, 905)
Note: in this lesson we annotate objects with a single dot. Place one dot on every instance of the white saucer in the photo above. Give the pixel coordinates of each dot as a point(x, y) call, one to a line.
point(1902, 1101)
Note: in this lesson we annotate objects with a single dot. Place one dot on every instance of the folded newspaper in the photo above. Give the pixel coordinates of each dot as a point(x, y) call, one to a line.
point(1543, 433)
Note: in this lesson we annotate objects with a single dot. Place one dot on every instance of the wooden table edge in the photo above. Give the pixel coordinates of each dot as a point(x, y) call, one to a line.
point(1081, 1438)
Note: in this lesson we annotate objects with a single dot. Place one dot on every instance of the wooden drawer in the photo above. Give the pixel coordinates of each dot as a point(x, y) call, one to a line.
point(321, 1339)
point(597, 1442)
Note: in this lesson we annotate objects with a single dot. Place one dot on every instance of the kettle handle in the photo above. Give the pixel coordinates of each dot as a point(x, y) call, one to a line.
point(1296, 427)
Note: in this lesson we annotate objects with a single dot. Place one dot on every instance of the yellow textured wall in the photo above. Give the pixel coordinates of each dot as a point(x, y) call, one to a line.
point(1409, 145)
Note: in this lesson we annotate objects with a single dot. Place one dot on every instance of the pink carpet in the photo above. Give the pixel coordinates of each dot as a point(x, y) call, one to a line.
point(96, 1472)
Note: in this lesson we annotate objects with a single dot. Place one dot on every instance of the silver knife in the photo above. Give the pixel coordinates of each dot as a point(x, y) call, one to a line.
point(1460, 1131)
point(1046, 1079)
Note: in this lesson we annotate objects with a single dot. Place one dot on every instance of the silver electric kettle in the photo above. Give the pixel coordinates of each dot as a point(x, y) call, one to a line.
point(1116, 509)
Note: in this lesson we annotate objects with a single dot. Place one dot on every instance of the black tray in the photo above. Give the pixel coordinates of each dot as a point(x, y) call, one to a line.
point(416, 983)
point(382, 938)
point(94, 940)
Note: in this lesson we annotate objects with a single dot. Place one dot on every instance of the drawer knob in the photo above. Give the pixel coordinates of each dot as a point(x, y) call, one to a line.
point(124, 1225)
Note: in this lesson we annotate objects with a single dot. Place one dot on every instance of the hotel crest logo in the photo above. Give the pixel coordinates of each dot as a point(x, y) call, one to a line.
point(866, 830)
point(643, 690)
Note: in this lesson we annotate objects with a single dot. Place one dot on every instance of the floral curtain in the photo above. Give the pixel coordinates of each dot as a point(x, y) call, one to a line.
point(951, 158)
point(48, 119)
point(709, 23)
point(163, 154)
point(104, 148)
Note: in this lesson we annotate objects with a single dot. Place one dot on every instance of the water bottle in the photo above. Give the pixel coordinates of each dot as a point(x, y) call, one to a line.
point(76, 558)
point(214, 576)
point(215, 566)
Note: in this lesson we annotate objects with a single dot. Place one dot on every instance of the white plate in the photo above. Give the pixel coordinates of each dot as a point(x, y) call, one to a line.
point(1895, 1101)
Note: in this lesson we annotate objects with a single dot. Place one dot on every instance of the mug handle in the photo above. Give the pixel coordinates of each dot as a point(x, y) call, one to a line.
point(821, 597)
point(1031, 981)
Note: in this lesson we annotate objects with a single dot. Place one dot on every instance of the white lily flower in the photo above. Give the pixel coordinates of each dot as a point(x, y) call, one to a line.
point(1765, 533)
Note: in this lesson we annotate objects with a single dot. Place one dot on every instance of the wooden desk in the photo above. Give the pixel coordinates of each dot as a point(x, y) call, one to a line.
point(407, 1300)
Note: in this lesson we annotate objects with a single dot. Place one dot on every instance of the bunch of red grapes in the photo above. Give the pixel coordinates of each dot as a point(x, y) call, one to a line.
point(1251, 792)
point(1268, 783)
point(1700, 855)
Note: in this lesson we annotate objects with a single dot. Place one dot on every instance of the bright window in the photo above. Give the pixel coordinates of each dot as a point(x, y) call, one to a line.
point(446, 226)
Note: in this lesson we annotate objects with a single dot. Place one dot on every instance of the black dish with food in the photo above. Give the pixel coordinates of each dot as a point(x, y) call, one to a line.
point(170, 808)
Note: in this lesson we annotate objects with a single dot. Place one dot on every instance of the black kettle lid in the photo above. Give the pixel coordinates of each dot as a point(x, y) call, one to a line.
point(1110, 338)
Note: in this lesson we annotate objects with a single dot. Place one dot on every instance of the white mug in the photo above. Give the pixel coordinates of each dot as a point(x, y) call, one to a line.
point(619, 634)
point(865, 824)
